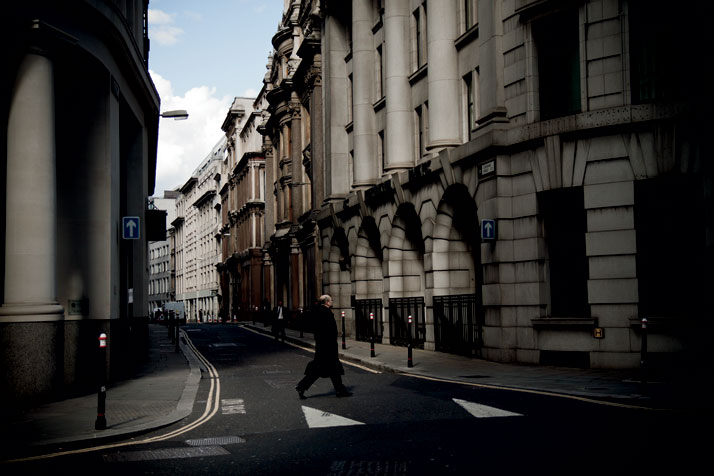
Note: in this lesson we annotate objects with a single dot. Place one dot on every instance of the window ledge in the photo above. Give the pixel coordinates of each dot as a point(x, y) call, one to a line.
point(417, 75)
point(467, 37)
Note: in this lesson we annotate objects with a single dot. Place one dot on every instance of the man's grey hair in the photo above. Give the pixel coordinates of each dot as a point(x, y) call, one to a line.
point(324, 298)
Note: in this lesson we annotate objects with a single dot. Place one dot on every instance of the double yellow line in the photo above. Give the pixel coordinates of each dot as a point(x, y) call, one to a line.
point(212, 405)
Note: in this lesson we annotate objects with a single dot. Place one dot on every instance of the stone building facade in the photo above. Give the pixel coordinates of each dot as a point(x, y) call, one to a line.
point(291, 248)
point(160, 289)
point(196, 252)
point(78, 153)
point(505, 172)
point(242, 196)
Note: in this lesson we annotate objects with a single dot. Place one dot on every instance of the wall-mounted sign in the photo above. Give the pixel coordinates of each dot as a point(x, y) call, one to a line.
point(130, 228)
point(488, 229)
point(487, 168)
point(599, 333)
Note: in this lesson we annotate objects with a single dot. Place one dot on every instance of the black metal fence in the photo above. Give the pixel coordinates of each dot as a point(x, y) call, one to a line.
point(458, 327)
point(399, 311)
point(364, 326)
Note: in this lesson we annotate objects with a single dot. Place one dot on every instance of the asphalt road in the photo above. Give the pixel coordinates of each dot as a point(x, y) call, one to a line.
point(248, 419)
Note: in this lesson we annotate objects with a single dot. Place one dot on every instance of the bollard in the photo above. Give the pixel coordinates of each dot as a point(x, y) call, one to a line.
point(344, 345)
point(176, 335)
point(371, 334)
point(643, 352)
point(302, 320)
point(101, 421)
point(409, 346)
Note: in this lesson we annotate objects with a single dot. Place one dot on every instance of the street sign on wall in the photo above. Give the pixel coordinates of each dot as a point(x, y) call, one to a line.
point(131, 229)
point(488, 229)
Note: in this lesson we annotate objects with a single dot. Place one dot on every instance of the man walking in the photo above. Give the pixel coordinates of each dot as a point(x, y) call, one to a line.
point(279, 317)
point(326, 362)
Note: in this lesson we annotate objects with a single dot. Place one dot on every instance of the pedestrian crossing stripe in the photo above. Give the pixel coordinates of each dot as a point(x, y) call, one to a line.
point(483, 411)
point(319, 419)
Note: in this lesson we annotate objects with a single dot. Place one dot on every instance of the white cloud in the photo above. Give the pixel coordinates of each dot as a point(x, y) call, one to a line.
point(162, 28)
point(184, 144)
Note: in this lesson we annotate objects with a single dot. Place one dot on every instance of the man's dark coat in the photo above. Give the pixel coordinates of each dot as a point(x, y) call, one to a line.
point(326, 362)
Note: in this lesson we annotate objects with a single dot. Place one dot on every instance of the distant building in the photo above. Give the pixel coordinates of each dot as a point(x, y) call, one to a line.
point(196, 251)
point(242, 194)
point(78, 145)
point(160, 291)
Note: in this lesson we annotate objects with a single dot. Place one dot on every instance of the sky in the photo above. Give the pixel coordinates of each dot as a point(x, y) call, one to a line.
point(204, 53)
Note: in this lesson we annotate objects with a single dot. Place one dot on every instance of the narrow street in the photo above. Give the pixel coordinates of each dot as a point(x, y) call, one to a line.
point(248, 419)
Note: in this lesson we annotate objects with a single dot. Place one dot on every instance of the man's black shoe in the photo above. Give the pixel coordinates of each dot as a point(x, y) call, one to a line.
point(301, 393)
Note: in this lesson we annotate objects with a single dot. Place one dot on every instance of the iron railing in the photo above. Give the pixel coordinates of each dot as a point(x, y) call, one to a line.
point(458, 327)
point(364, 327)
point(399, 311)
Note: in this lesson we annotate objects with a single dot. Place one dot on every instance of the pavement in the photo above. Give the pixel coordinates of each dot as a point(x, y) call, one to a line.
point(164, 390)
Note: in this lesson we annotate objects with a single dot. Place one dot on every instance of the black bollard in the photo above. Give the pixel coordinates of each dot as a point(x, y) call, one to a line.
point(643, 352)
point(301, 323)
point(101, 421)
point(409, 346)
point(176, 335)
point(344, 344)
point(371, 334)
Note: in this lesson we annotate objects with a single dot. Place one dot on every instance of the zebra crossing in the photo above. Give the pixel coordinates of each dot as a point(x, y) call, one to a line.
point(317, 418)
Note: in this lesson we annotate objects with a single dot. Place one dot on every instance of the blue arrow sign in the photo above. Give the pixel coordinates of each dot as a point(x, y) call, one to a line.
point(131, 229)
point(488, 229)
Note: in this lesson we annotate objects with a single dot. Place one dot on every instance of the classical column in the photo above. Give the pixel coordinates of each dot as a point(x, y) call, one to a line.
point(296, 168)
point(31, 223)
point(334, 46)
point(399, 134)
point(491, 90)
point(364, 135)
point(443, 74)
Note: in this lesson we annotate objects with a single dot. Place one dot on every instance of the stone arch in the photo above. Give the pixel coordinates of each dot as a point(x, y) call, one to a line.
point(454, 303)
point(336, 270)
point(404, 271)
point(404, 280)
point(455, 253)
point(368, 259)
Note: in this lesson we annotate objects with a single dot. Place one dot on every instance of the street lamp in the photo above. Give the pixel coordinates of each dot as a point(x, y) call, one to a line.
point(177, 115)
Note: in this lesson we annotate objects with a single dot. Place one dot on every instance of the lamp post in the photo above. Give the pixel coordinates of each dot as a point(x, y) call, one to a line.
point(176, 115)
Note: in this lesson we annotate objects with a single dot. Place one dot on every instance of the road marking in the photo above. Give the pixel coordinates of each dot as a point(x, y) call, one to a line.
point(216, 441)
point(233, 406)
point(318, 419)
point(166, 453)
point(483, 411)
point(396, 468)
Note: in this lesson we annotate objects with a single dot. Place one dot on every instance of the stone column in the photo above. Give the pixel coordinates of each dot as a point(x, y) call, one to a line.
point(31, 319)
point(492, 93)
point(31, 224)
point(399, 134)
point(296, 167)
point(334, 46)
point(365, 150)
point(443, 75)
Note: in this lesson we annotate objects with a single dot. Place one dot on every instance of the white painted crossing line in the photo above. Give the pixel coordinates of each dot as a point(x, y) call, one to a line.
point(319, 419)
point(483, 411)
point(231, 406)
